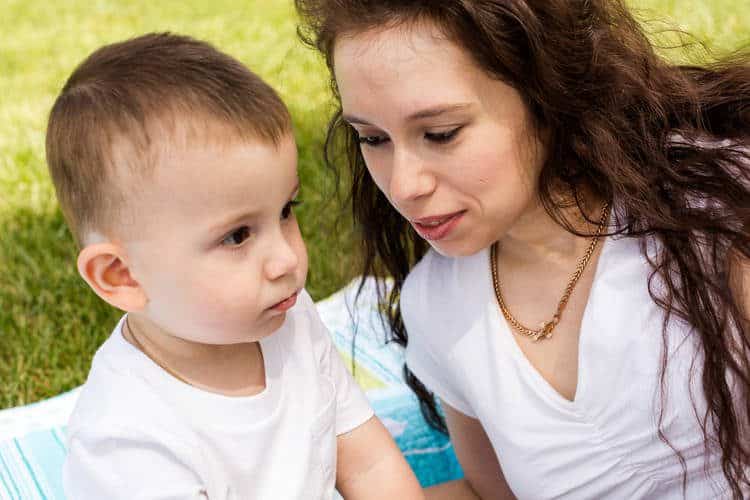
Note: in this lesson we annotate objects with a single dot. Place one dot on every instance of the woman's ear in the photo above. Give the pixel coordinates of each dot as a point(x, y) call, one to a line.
point(104, 267)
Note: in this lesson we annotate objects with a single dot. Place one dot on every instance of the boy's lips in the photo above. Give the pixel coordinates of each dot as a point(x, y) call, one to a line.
point(285, 304)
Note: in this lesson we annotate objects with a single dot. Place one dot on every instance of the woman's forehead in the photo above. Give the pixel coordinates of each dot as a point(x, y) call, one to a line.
point(404, 43)
point(411, 63)
point(408, 71)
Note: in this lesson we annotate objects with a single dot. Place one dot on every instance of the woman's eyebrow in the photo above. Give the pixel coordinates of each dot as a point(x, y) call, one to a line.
point(355, 120)
point(438, 110)
point(430, 112)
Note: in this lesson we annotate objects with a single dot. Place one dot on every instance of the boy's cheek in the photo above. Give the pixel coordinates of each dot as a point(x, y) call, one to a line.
point(231, 297)
point(302, 270)
point(301, 251)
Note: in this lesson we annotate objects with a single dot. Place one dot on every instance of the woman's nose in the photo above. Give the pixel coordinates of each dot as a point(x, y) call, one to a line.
point(411, 177)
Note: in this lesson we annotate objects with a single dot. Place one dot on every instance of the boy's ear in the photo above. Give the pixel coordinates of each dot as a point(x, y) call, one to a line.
point(104, 267)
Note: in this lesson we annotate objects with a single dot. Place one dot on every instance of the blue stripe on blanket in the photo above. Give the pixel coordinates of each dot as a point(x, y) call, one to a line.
point(10, 490)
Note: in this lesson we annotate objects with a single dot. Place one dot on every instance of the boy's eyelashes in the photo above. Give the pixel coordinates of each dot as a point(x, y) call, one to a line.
point(439, 137)
point(237, 236)
point(287, 211)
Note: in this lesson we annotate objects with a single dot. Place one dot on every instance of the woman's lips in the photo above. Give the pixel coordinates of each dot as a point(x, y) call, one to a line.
point(437, 227)
point(285, 304)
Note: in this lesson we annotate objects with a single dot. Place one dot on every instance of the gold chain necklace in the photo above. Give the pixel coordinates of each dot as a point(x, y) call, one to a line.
point(151, 356)
point(545, 329)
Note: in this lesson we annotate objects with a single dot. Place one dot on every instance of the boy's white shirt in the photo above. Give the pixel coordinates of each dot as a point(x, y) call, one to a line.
point(139, 433)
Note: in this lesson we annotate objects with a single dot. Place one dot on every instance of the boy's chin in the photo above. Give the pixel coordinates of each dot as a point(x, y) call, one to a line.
point(264, 330)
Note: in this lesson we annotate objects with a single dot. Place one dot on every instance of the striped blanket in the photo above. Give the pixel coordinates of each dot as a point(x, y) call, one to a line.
point(32, 438)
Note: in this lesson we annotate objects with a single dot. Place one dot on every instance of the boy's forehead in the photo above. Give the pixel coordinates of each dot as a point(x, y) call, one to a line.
point(201, 178)
point(170, 145)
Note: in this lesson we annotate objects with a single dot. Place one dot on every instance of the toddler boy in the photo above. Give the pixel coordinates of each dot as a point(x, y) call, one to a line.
point(175, 167)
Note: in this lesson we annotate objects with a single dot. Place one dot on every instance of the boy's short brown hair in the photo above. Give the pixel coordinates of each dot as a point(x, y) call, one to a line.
point(116, 106)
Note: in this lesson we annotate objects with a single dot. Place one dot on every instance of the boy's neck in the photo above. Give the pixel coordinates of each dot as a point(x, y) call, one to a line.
point(231, 370)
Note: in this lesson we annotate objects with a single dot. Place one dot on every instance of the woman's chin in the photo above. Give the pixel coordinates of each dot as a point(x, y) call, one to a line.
point(458, 247)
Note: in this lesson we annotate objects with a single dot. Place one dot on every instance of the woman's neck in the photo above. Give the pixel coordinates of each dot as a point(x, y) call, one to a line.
point(537, 237)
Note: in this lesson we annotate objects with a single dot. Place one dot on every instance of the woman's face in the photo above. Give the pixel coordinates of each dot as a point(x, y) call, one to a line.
point(452, 149)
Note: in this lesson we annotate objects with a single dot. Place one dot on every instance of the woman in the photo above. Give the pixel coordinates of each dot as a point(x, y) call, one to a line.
point(580, 213)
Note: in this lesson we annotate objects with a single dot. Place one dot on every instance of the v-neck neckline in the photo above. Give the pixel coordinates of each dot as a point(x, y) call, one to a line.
point(529, 370)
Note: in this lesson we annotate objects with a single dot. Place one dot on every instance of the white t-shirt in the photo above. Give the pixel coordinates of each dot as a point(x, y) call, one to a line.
point(139, 433)
point(604, 443)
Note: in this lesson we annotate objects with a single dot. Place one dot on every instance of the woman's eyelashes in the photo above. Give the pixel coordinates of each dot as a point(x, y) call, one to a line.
point(371, 140)
point(443, 136)
point(436, 137)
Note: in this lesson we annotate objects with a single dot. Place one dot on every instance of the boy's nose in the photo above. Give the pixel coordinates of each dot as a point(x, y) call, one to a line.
point(282, 260)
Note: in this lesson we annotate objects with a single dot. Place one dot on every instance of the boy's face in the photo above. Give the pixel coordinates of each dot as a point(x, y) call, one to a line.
point(216, 246)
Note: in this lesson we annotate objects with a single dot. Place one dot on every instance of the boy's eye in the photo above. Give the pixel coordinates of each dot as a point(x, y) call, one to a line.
point(287, 211)
point(236, 237)
point(442, 137)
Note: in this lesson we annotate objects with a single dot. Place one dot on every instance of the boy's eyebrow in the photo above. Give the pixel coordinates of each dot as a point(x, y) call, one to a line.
point(430, 112)
point(235, 219)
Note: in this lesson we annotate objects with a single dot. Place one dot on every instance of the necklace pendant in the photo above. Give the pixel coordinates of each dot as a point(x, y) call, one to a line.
point(544, 331)
point(545, 328)
point(539, 335)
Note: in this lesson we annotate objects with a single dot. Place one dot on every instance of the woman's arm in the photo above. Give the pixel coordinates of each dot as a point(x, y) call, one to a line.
point(483, 477)
point(453, 490)
point(371, 466)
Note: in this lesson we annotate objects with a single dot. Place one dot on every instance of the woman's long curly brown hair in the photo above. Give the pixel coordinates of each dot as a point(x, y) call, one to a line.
point(670, 144)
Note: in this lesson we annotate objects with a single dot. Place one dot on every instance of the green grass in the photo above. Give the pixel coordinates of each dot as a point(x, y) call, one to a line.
point(50, 323)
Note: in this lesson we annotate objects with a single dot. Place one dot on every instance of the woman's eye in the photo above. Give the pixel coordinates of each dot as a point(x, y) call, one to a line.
point(237, 237)
point(287, 211)
point(371, 140)
point(442, 137)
